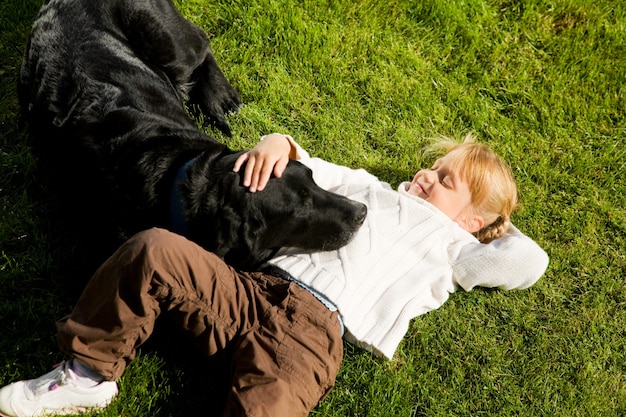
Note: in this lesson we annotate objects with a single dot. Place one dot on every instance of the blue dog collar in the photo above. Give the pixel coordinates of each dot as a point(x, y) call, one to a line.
point(178, 223)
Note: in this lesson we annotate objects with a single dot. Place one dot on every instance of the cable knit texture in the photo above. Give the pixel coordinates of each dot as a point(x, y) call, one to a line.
point(405, 260)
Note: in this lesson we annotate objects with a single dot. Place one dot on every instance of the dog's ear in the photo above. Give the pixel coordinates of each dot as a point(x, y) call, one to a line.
point(253, 229)
point(252, 253)
point(248, 255)
point(227, 232)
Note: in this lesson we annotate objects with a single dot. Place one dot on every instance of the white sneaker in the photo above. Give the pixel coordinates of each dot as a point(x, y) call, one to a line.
point(54, 393)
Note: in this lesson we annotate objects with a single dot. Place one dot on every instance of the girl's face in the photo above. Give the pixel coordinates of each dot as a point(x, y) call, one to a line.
point(443, 187)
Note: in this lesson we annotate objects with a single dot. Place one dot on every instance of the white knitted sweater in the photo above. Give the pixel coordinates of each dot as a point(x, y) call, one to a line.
point(404, 261)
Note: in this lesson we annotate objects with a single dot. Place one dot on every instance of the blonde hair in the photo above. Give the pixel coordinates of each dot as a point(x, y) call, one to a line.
point(490, 181)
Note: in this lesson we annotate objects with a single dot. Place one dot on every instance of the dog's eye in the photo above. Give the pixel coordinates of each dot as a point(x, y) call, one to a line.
point(305, 196)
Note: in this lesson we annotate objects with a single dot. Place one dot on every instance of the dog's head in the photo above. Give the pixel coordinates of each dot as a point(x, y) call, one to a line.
point(246, 228)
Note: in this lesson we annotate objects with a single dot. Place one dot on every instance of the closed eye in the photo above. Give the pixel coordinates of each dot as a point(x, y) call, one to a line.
point(446, 181)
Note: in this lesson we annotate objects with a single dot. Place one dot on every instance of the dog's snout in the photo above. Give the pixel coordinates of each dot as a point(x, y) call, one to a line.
point(360, 212)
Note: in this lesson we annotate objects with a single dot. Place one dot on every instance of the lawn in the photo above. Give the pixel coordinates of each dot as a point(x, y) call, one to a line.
point(367, 84)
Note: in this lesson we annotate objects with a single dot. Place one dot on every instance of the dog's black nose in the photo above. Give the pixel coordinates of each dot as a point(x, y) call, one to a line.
point(360, 212)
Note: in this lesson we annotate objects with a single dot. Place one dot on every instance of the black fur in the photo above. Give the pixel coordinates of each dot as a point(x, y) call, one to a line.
point(102, 87)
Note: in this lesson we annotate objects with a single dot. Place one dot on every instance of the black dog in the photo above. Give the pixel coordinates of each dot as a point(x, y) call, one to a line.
point(102, 86)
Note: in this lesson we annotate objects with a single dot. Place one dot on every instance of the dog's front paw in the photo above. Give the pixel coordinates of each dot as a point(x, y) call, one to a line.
point(221, 99)
point(214, 95)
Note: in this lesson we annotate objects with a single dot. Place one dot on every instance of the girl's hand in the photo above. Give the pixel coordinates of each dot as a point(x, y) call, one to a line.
point(269, 155)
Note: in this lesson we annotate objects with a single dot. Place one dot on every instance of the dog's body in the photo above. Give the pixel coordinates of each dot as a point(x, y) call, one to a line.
point(103, 85)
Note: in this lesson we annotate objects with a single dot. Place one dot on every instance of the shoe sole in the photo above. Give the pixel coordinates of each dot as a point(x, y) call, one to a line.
point(74, 410)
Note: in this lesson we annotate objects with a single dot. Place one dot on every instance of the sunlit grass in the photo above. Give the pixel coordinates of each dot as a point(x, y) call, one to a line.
point(366, 84)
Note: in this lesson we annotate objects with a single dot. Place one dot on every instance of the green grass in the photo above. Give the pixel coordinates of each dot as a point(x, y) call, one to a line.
point(366, 84)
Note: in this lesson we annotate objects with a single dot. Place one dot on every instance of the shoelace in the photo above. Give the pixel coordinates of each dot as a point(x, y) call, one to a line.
point(45, 384)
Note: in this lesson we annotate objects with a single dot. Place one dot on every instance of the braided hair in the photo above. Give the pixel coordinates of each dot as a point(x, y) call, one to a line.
point(493, 230)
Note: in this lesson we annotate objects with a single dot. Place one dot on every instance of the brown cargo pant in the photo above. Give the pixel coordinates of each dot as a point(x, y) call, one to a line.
point(287, 345)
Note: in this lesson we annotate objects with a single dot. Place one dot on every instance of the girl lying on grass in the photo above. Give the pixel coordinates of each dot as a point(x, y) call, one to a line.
point(448, 228)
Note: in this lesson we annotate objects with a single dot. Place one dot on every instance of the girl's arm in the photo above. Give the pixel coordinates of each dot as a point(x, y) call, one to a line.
point(272, 154)
point(513, 261)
